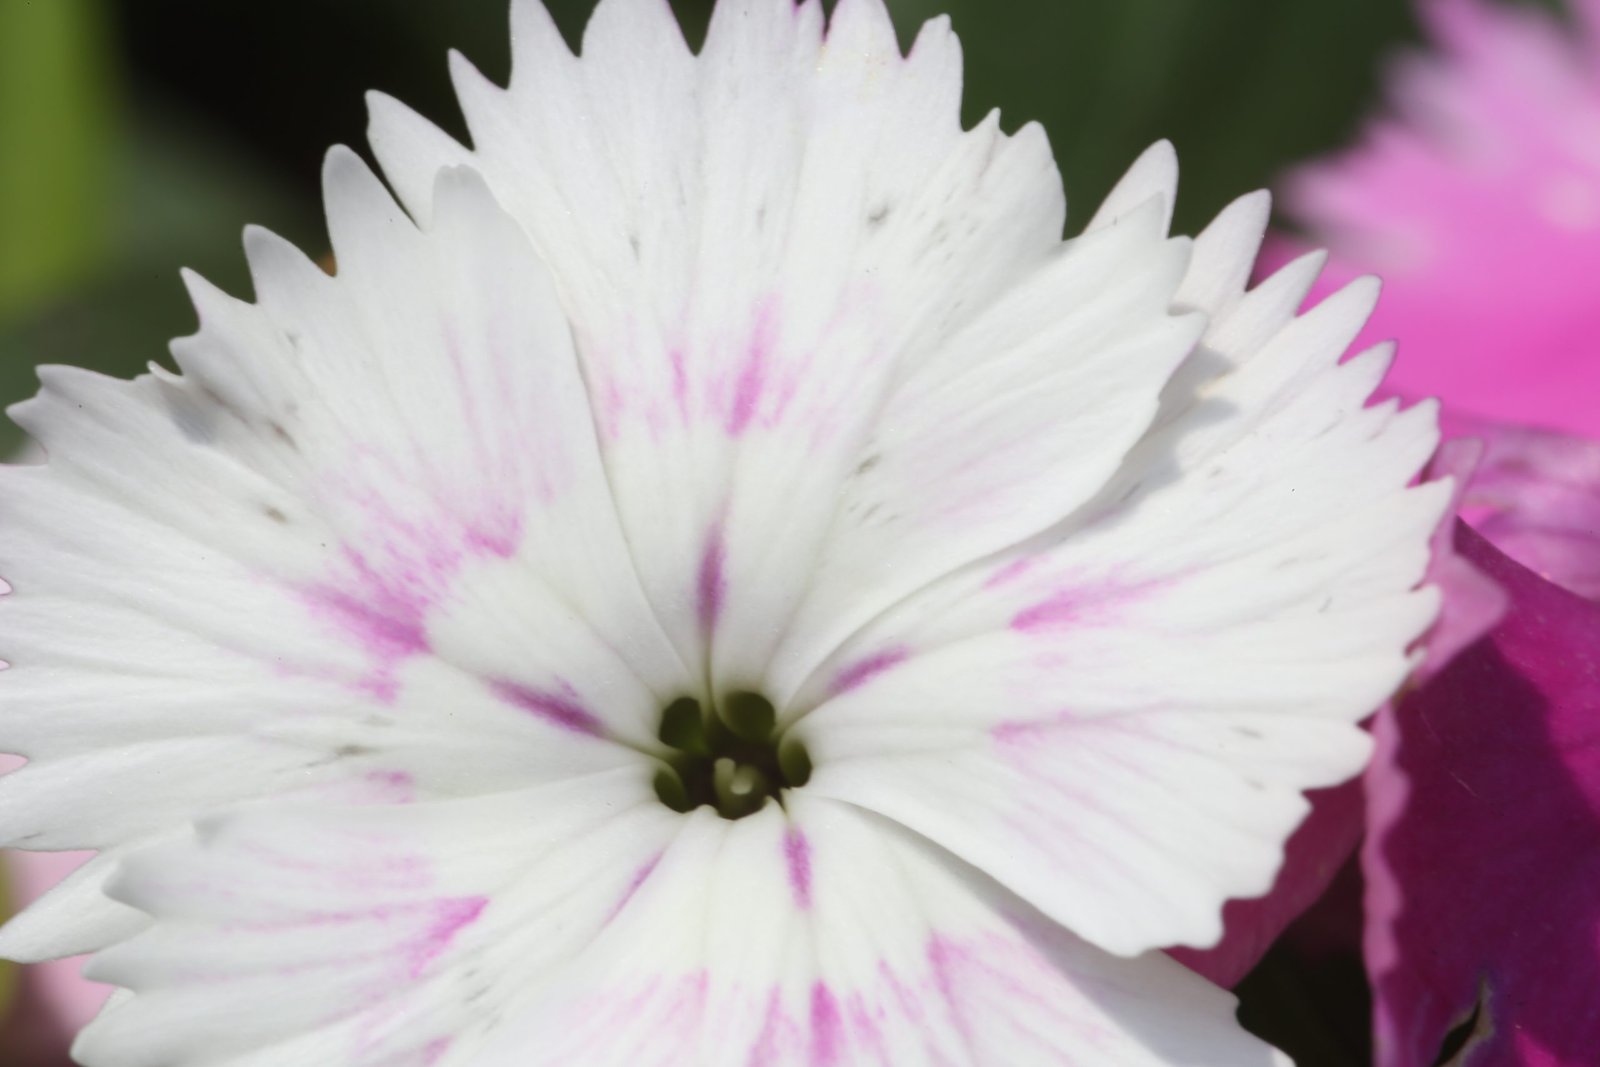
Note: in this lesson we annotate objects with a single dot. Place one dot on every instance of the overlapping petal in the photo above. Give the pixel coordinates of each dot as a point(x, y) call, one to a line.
point(378, 934)
point(1485, 847)
point(1472, 604)
point(590, 925)
point(362, 546)
point(1117, 719)
point(1535, 494)
point(791, 274)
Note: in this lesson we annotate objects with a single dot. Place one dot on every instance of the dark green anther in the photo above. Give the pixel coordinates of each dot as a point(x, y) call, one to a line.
point(683, 726)
point(750, 716)
point(733, 760)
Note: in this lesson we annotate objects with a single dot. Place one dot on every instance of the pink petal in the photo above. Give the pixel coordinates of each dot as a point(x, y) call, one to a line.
point(1473, 603)
point(1485, 843)
point(1479, 203)
point(1536, 495)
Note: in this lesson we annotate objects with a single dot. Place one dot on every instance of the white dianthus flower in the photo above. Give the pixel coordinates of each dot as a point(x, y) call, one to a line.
point(715, 579)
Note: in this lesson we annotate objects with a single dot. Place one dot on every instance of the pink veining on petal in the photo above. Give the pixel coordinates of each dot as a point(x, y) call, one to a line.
point(500, 541)
point(1011, 572)
point(826, 1027)
point(680, 379)
point(710, 582)
point(561, 710)
point(386, 619)
point(639, 878)
point(942, 960)
point(452, 916)
point(1074, 606)
point(379, 597)
point(391, 787)
point(753, 373)
point(1023, 733)
point(775, 1026)
point(864, 670)
point(797, 858)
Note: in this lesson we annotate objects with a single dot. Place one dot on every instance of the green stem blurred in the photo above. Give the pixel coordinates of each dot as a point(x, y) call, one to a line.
point(55, 146)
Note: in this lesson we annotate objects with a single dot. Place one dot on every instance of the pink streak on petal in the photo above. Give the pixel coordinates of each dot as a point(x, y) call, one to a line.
point(863, 671)
point(1075, 606)
point(452, 917)
point(775, 1026)
point(826, 1029)
point(386, 619)
point(499, 542)
point(797, 857)
point(680, 381)
point(389, 787)
point(387, 628)
point(639, 878)
point(559, 710)
point(711, 584)
point(753, 373)
point(397, 568)
point(944, 958)
point(1017, 568)
point(1483, 848)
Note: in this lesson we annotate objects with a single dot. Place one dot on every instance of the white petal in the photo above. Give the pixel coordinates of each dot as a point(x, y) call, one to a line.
point(72, 918)
point(831, 938)
point(784, 261)
point(583, 923)
point(363, 546)
point(379, 935)
point(1153, 176)
point(1117, 720)
point(1061, 376)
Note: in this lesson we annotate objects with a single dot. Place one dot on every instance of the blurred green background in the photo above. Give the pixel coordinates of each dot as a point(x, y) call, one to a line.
point(138, 136)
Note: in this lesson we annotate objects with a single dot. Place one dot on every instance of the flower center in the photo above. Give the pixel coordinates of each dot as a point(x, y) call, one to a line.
point(731, 757)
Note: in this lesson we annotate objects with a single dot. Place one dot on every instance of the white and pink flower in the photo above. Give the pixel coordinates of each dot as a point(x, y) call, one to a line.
point(715, 579)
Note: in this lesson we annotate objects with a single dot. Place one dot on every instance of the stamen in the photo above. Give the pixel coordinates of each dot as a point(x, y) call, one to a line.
point(733, 759)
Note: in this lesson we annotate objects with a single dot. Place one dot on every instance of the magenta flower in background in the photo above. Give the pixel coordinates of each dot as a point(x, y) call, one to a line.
point(1478, 200)
point(1483, 858)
